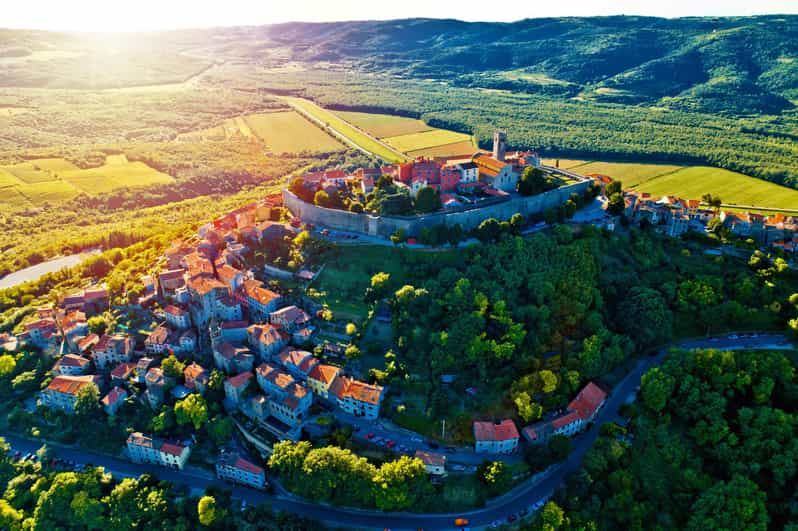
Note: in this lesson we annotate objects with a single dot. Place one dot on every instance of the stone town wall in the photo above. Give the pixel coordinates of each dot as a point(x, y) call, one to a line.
point(468, 216)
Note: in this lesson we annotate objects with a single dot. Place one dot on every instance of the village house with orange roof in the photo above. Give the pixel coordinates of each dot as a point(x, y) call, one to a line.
point(495, 437)
point(152, 450)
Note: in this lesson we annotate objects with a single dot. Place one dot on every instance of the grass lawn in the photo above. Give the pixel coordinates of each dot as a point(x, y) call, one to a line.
point(9, 179)
point(12, 199)
point(384, 125)
point(690, 182)
point(426, 139)
point(345, 128)
point(446, 150)
point(28, 173)
point(288, 132)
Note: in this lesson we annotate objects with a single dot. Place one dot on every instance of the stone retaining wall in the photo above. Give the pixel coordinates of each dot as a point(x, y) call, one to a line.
point(468, 216)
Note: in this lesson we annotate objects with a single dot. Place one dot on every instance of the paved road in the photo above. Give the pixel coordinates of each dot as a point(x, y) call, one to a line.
point(521, 497)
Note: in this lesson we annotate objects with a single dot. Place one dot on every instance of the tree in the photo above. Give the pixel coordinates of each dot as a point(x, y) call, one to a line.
point(87, 401)
point(656, 387)
point(207, 511)
point(517, 223)
point(172, 366)
point(533, 181)
point(7, 365)
point(488, 230)
point(735, 504)
point(192, 409)
point(400, 236)
point(527, 409)
point(615, 204)
point(560, 447)
point(10, 518)
point(45, 454)
point(552, 517)
point(351, 329)
point(428, 200)
point(322, 199)
point(400, 484)
point(495, 476)
point(548, 381)
point(379, 283)
point(455, 235)
point(352, 352)
point(712, 201)
point(97, 325)
point(644, 315)
point(220, 429)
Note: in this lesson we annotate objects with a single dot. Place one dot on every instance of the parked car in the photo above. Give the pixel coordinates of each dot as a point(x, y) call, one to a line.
point(370, 435)
point(461, 522)
point(390, 444)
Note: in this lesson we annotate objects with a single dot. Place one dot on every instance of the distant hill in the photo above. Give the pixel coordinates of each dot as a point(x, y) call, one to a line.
point(740, 65)
point(733, 65)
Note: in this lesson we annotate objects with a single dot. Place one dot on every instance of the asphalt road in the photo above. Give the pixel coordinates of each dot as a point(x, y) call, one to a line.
point(511, 503)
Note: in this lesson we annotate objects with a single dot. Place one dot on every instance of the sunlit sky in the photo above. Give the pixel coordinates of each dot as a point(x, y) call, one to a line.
point(110, 15)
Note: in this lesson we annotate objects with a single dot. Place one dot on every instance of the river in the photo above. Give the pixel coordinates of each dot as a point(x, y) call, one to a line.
point(33, 272)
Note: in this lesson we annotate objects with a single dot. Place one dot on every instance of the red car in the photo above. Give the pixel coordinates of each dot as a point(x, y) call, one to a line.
point(370, 435)
point(391, 444)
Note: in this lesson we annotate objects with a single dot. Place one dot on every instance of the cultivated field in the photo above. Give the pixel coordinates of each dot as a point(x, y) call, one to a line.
point(38, 181)
point(426, 139)
point(332, 120)
point(446, 150)
point(690, 182)
point(384, 125)
point(288, 132)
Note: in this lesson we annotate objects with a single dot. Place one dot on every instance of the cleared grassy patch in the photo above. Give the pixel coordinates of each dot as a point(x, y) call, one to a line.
point(57, 165)
point(427, 139)
point(565, 164)
point(690, 182)
point(330, 119)
point(8, 179)
point(288, 132)
point(384, 125)
point(28, 173)
point(48, 192)
point(11, 199)
point(447, 150)
point(731, 186)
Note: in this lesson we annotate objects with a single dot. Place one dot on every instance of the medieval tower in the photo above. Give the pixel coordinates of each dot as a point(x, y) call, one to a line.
point(499, 145)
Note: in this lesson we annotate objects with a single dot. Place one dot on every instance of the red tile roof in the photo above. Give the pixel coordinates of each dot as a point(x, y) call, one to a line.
point(70, 385)
point(113, 396)
point(255, 290)
point(492, 431)
point(123, 370)
point(344, 387)
point(588, 400)
point(324, 373)
point(174, 310)
point(239, 379)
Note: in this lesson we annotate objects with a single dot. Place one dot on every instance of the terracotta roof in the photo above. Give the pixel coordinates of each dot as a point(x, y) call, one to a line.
point(172, 448)
point(566, 419)
point(174, 310)
point(71, 360)
point(588, 400)
point(236, 461)
point(344, 387)
point(123, 369)
point(429, 458)
point(232, 325)
point(172, 274)
point(253, 289)
point(40, 324)
point(204, 285)
point(113, 396)
point(239, 379)
point(266, 334)
point(290, 314)
point(194, 372)
point(324, 373)
point(89, 340)
point(486, 162)
point(70, 385)
point(291, 356)
point(492, 431)
point(276, 376)
point(159, 336)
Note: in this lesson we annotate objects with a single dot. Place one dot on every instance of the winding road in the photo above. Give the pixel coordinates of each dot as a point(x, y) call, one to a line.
point(512, 502)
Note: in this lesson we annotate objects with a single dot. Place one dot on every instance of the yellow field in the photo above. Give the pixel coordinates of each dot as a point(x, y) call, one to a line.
point(329, 119)
point(288, 132)
point(383, 125)
point(427, 139)
point(42, 181)
point(446, 150)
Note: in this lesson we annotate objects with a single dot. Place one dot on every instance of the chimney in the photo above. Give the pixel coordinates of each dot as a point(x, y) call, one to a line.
point(499, 145)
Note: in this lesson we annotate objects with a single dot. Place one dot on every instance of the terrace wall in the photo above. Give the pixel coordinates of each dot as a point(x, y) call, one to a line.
point(468, 216)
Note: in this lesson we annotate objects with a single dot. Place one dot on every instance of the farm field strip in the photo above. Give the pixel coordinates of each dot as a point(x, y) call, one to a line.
point(358, 137)
point(426, 139)
point(383, 125)
point(289, 132)
point(446, 150)
point(690, 182)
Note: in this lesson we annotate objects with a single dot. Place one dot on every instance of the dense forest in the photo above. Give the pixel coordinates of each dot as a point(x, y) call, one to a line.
point(37, 496)
point(714, 445)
